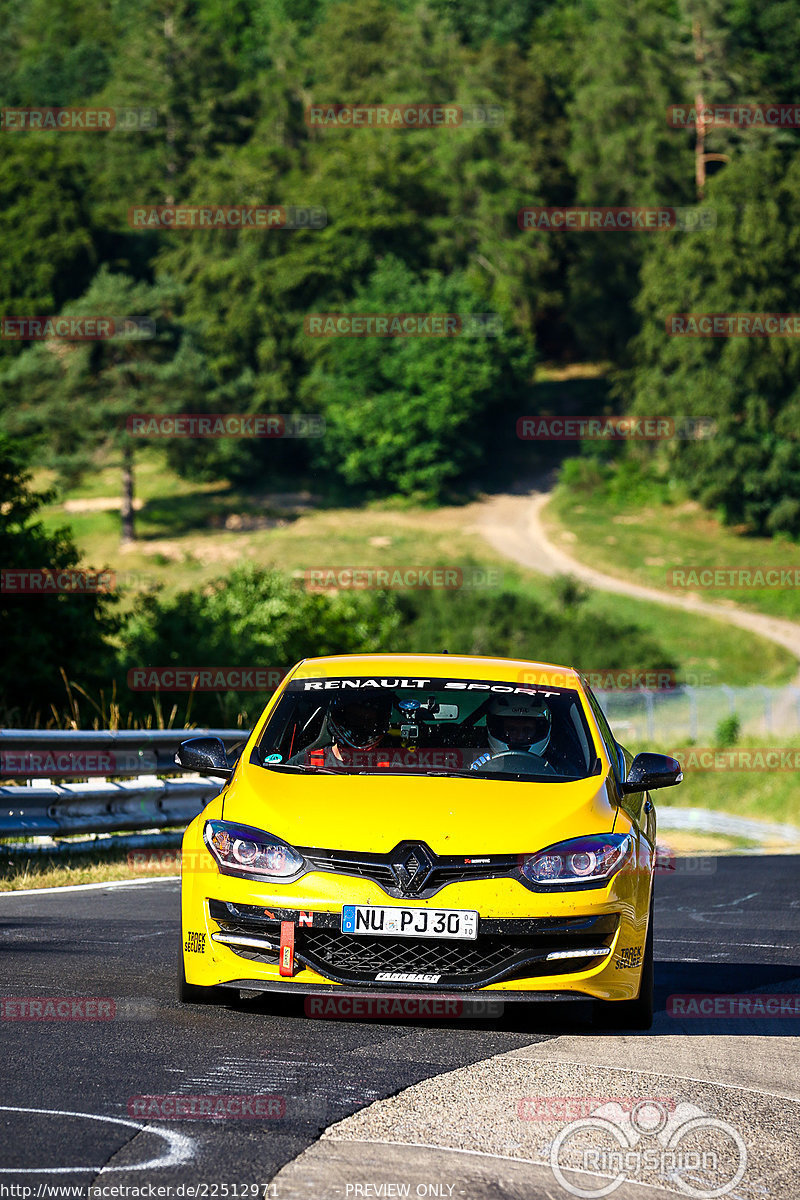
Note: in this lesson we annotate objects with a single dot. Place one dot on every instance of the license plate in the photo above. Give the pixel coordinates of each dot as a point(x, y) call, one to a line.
point(367, 919)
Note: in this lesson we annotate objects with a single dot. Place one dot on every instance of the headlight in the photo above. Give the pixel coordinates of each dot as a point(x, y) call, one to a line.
point(592, 859)
point(241, 850)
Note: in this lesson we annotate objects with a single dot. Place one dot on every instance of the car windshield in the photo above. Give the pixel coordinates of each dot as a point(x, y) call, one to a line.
point(417, 726)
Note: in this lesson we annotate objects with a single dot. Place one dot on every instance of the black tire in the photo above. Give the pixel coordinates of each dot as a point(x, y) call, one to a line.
point(631, 1014)
point(194, 993)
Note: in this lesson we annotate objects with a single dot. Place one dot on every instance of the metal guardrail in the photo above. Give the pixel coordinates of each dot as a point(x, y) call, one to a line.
point(39, 807)
point(64, 753)
point(101, 807)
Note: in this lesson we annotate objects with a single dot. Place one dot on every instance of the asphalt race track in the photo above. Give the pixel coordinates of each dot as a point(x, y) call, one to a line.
point(421, 1105)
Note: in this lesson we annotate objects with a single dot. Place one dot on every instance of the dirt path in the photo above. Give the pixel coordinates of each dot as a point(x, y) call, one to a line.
point(513, 526)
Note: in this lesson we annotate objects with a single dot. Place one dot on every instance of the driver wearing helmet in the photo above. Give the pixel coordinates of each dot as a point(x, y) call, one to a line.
point(356, 724)
point(520, 724)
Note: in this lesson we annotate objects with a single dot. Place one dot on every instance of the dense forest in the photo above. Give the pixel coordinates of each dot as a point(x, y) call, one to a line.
point(565, 103)
point(575, 96)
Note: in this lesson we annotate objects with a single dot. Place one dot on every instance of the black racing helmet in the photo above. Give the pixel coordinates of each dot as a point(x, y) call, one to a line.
point(360, 721)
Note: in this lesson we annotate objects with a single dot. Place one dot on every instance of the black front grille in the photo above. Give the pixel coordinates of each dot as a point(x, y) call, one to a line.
point(366, 955)
point(403, 872)
point(378, 871)
point(491, 956)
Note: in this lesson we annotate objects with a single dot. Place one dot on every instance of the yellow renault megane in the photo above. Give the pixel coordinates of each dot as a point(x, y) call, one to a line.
point(417, 824)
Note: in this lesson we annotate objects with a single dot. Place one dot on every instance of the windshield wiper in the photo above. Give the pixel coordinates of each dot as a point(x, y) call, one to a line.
point(301, 767)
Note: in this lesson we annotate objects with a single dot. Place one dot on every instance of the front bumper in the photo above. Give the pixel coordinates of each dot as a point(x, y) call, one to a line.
point(504, 949)
point(582, 943)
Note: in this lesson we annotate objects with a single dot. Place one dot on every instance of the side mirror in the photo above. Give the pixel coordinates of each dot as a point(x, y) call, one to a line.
point(204, 754)
point(652, 771)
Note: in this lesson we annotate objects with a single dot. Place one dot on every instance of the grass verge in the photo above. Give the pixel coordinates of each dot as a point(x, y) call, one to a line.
point(646, 542)
point(21, 871)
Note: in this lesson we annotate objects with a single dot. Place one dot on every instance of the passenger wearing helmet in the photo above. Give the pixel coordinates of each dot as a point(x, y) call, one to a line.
point(520, 723)
point(356, 725)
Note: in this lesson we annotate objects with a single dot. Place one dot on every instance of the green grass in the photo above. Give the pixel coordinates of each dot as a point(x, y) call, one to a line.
point(643, 543)
point(764, 795)
point(22, 872)
point(184, 544)
point(709, 652)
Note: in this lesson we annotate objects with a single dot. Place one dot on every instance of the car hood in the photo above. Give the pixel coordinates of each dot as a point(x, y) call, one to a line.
point(453, 816)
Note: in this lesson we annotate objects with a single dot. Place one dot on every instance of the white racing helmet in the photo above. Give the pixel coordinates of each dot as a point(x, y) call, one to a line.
point(518, 722)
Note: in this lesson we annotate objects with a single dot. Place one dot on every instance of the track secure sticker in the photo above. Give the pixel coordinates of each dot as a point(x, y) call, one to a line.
point(629, 956)
point(195, 942)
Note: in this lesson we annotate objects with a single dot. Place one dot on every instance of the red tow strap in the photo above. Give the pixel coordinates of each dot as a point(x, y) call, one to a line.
point(286, 962)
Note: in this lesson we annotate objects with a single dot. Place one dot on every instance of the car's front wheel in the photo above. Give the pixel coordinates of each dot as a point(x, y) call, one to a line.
point(631, 1014)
